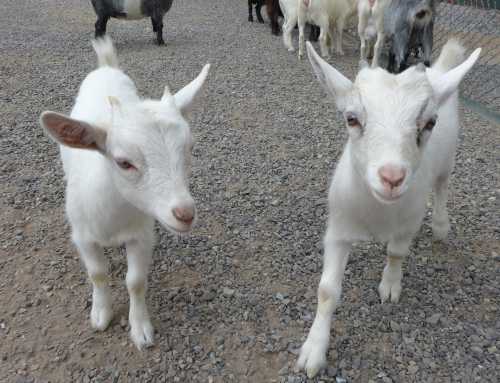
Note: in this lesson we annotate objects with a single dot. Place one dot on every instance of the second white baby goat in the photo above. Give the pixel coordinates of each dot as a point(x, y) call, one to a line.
point(403, 133)
point(127, 162)
point(326, 14)
point(371, 27)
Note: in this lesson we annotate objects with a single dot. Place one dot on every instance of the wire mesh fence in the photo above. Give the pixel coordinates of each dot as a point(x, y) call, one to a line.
point(477, 24)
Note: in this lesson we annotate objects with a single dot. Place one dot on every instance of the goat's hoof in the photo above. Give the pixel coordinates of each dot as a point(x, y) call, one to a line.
point(250, 18)
point(261, 21)
point(390, 290)
point(100, 316)
point(142, 334)
point(312, 357)
point(440, 229)
point(160, 42)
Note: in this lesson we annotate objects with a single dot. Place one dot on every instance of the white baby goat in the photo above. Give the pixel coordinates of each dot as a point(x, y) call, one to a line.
point(326, 14)
point(402, 139)
point(371, 27)
point(126, 162)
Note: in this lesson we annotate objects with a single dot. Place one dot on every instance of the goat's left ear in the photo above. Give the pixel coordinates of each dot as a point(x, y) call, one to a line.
point(185, 98)
point(444, 85)
point(73, 133)
point(334, 82)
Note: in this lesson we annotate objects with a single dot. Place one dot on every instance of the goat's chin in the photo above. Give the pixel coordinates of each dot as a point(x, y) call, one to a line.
point(384, 198)
point(178, 229)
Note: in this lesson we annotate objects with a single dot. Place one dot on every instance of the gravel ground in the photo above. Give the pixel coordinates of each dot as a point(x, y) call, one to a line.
point(233, 301)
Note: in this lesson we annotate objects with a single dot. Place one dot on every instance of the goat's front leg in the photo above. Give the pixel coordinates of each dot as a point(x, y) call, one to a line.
point(340, 33)
point(258, 8)
point(313, 353)
point(377, 48)
point(362, 24)
point(390, 286)
point(427, 43)
point(250, 11)
point(100, 26)
point(440, 220)
point(302, 43)
point(288, 26)
point(379, 42)
point(323, 41)
point(96, 264)
point(157, 20)
point(139, 255)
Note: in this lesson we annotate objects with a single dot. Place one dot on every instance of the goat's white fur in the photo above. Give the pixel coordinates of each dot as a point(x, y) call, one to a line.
point(359, 205)
point(326, 14)
point(371, 27)
point(109, 206)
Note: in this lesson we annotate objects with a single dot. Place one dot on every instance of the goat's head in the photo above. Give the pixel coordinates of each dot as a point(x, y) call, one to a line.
point(389, 118)
point(148, 150)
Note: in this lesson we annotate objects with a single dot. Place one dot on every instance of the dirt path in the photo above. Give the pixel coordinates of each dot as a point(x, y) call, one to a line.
point(233, 301)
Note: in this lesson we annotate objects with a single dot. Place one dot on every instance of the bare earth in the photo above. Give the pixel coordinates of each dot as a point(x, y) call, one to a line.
point(233, 301)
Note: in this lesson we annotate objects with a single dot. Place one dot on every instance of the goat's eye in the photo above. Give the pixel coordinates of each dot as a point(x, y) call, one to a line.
point(352, 121)
point(125, 165)
point(430, 124)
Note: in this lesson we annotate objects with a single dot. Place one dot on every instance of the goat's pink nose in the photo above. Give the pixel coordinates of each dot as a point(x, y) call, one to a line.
point(184, 214)
point(392, 176)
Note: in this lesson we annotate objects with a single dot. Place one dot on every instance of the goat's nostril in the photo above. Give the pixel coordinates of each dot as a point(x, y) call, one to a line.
point(392, 176)
point(185, 215)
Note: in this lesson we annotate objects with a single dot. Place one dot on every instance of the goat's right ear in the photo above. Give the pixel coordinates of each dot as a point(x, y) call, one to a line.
point(334, 82)
point(73, 133)
point(184, 98)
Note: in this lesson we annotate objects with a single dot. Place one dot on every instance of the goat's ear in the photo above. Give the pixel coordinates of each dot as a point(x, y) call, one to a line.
point(73, 133)
point(444, 85)
point(334, 82)
point(184, 98)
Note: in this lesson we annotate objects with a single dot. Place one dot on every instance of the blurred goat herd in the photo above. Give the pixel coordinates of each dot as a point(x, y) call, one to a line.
point(405, 25)
point(127, 159)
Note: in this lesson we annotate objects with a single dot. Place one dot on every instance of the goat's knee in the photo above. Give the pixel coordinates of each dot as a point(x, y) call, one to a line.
point(328, 297)
point(136, 284)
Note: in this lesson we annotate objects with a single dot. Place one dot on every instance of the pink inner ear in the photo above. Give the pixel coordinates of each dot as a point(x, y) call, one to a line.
point(371, 2)
point(306, 2)
point(75, 134)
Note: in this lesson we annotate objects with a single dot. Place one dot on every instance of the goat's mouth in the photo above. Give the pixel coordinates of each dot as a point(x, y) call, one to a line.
point(179, 229)
point(386, 198)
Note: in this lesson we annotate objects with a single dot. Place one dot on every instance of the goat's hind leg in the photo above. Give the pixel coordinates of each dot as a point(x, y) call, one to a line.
point(96, 264)
point(440, 220)
point(313, 353)
point(139, 255)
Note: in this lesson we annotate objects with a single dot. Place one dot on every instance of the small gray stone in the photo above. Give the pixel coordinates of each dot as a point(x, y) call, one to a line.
point(283, 370)
point(433, 319)
point(395, 326)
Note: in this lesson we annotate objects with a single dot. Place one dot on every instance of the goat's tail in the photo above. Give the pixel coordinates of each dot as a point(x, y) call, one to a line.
point(106, 54)
point(452, 54)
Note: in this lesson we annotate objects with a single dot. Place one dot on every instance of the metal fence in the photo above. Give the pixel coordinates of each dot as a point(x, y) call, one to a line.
point(477, 24)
